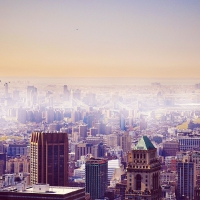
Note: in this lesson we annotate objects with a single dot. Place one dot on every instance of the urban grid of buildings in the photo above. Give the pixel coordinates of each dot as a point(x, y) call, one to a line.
point(101, 141)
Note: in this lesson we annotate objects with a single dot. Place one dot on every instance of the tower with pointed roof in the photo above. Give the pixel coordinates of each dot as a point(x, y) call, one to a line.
point(143, 172)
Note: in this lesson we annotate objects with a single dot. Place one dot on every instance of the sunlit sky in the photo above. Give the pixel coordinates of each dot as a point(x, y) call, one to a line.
point(100, 38)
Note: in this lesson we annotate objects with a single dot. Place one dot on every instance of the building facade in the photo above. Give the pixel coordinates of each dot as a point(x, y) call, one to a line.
point(188, 143)
point(186, 179)
point(96, 177)
point(17, 149)
point(49, 158)
point(143, 172)
point(170, 148)
point(43, 191)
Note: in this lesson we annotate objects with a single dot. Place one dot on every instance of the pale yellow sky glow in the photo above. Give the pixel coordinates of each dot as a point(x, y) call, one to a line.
point(100, 38)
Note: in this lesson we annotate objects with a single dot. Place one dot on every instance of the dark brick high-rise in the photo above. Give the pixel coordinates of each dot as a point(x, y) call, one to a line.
point(49, 158)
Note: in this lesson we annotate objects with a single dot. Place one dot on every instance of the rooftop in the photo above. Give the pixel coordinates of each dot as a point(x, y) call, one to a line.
point(56, 190)
point(59, 190)
point(144, 144)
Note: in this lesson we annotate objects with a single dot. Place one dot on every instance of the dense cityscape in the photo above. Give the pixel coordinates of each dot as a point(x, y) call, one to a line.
point(99, 141)
point(99, 100)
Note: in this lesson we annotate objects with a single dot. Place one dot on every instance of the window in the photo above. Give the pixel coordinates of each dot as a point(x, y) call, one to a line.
point(138, 182)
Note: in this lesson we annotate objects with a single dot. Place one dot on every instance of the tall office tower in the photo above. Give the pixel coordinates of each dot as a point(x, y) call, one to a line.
point(83, 131)
point(96, 177)
point(143, 172)
point(31, 96)
point(186, 178)
point(122, 123)
point(66, 93)
point(49, 158)
point(125, 142)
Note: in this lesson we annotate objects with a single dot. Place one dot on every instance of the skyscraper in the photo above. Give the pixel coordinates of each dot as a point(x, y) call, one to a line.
point(96, 174)
point(125, 142)
point(143, 172)
point(31, 96)
point(186, 178)
point(49, 158)
point(66, 93)
point(83, 130)
point(6, 90)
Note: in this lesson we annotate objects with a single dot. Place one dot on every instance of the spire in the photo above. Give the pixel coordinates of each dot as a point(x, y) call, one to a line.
point(144, 144)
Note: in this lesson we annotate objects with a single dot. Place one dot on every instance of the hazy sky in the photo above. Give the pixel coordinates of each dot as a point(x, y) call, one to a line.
point(106, 38)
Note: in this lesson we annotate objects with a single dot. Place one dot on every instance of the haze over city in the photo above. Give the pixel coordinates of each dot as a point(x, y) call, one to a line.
point(153, 39)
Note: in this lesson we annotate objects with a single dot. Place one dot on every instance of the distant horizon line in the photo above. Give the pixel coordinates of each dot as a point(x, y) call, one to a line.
point(112, 77)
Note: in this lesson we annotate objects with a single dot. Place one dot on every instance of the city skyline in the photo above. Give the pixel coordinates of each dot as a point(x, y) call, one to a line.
point(100, 39)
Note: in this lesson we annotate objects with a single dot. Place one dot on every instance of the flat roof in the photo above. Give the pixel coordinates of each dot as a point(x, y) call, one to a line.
point(55, 190)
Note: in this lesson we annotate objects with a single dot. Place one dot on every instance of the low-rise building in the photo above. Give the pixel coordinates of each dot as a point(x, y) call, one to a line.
point(41, 191)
